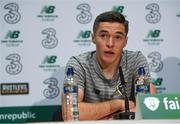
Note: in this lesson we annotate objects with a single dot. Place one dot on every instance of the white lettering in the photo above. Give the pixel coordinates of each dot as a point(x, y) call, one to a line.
point(165, 103)
point(171, 104)
point(177, 103)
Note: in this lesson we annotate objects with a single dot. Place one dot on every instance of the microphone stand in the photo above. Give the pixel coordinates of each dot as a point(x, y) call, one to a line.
point(127, 114)
point(122, 90)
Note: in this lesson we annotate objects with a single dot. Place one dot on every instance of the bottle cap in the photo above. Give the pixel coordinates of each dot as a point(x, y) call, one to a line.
point(70, 71)
point(141, 71)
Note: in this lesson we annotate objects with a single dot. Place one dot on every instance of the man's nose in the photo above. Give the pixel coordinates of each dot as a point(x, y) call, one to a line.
point(110, 42)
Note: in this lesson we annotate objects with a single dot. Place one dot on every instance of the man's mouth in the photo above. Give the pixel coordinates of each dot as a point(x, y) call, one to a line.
point(109, 52)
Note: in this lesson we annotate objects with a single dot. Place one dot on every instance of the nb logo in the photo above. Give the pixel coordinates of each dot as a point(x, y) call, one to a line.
point(84, 34)
point(48, 9)
point(12, 34)
point(152, 103)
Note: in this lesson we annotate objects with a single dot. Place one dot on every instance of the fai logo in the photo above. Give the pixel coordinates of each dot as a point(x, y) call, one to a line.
point(154, 15)
point(13, 16)
point(50, 41)
point(85, 16)
point(152, 103)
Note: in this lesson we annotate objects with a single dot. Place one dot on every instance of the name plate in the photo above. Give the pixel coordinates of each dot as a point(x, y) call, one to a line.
point(158, 106)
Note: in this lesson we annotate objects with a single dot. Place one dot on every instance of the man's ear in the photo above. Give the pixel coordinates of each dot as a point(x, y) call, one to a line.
point(125, 41)
point(93, 38)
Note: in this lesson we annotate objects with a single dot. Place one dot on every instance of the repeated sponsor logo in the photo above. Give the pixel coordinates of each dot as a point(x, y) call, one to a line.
point(48, 13)
point(83, 38)
point(12, 39)
point(14, 88)
point(153, 37)
point(52, 90)
point(178, 14)
point(14, 67)
point(154, 15)
point(119, 9)
point(85, 15)
point(156, 63)
point(13, 15)
point(49, 63)
point(50, 40)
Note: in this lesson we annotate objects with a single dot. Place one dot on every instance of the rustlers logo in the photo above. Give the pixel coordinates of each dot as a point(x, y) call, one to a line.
point(152, 103)
point(14, 88)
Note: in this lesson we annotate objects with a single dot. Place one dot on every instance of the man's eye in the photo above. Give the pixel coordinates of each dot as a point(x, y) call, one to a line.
point(119, 37)
point(103, 35)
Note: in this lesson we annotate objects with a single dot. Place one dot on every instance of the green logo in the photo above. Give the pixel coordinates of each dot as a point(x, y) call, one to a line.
point(83, 38)
point(48, 9)
point(153, 37)
point(12, 34)
point(49, 59)
point(153, 34)
point(119, 9)
point(84, 34)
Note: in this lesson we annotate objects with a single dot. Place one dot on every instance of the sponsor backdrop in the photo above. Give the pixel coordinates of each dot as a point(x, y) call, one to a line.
point(37, 38)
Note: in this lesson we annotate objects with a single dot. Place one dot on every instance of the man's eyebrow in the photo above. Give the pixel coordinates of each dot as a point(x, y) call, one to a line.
point(103, 31)
point(119, 32)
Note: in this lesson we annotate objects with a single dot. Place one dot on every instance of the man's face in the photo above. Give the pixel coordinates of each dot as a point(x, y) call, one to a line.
point(110, 39)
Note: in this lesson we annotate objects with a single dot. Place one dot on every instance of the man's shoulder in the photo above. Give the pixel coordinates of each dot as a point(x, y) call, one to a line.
point(132, 53)
point(83, 57)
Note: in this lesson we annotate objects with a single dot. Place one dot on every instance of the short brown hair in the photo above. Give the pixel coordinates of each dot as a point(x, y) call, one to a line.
point(111, 16)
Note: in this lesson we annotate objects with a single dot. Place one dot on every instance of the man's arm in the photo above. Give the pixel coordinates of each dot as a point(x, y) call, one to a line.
point(152, 89)
point(100, 110)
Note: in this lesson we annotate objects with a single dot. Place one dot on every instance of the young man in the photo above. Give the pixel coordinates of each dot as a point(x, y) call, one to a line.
point(97, 72)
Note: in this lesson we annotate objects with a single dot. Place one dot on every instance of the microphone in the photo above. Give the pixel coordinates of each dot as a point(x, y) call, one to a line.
point(122, 90)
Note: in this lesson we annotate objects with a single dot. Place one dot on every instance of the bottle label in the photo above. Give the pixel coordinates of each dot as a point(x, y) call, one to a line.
point(142, 89)
point(70, 89)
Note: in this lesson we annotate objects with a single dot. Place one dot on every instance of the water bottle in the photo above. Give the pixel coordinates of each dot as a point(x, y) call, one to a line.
point(70, 96)
point(141, 86)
